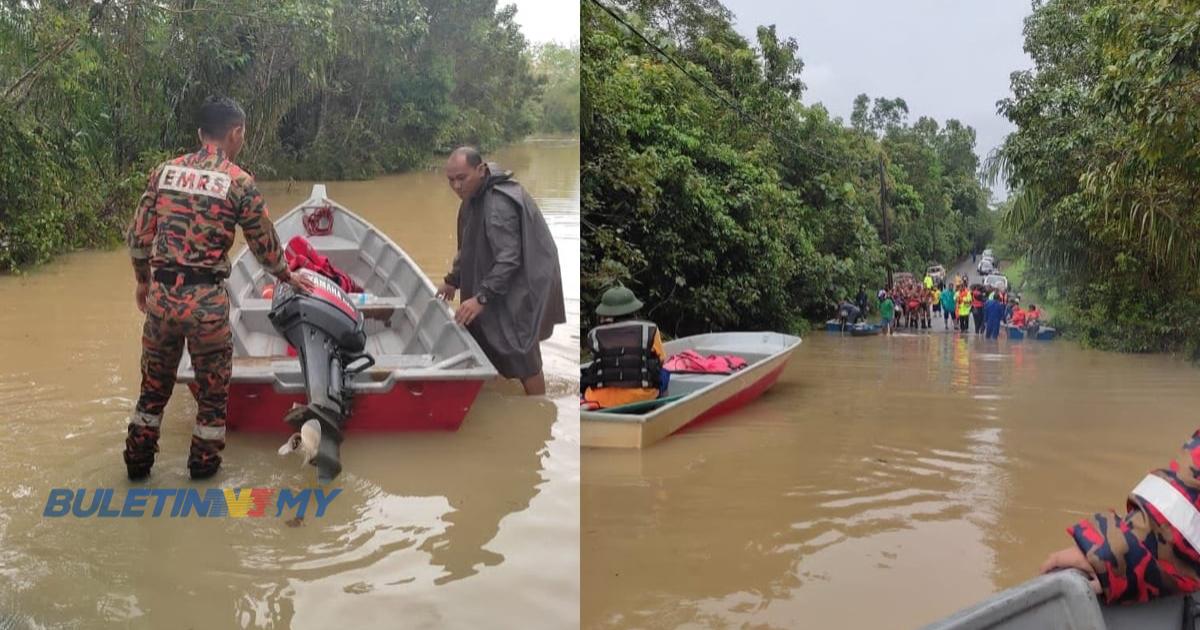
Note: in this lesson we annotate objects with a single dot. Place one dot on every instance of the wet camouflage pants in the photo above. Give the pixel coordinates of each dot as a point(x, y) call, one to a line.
point(198, 314)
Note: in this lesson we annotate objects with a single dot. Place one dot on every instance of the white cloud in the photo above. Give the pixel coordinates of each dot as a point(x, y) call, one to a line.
point(817, 74)
point(548, 20)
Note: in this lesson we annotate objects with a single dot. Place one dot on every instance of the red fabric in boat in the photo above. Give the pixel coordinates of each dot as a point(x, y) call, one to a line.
point(301, 254)
point(689, 361)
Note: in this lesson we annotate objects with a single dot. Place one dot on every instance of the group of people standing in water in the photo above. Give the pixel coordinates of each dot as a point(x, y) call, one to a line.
point(916, 306)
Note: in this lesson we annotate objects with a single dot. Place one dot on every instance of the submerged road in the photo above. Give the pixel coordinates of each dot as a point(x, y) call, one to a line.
point(883, 482)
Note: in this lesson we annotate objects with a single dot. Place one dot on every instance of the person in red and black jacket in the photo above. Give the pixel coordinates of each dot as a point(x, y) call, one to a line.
point(1150, 551)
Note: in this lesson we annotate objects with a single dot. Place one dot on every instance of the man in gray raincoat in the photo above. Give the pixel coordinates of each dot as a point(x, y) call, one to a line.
point(506, 267)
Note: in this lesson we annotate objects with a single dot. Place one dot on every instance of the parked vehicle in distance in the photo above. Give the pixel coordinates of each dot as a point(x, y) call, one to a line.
point(985, 267)
point(987, 253)
point(937, 272)
point(996, 281)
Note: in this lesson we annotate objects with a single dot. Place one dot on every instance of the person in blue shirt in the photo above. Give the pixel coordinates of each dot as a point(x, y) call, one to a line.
point(993, 313)
point(949, 318)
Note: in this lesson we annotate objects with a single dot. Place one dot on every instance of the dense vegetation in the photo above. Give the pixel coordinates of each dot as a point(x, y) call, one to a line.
point(558, 67)
point(757, 219)
point(92, 93)
point(1104, 165)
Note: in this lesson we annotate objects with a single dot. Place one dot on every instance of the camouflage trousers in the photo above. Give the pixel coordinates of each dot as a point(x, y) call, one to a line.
point(199, 315)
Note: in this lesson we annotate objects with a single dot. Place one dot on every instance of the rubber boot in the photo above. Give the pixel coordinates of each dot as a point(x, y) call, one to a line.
point(204, 460)
point(141, 444)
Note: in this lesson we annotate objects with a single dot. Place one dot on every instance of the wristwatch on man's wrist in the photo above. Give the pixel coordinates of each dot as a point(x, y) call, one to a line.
point(482, 298)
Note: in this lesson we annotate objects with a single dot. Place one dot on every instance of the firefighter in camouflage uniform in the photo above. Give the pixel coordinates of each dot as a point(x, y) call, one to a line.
point(179, 239)
point(1151, 550)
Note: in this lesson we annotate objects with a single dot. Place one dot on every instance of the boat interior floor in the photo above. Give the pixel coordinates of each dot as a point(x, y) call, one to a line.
point(404, 329)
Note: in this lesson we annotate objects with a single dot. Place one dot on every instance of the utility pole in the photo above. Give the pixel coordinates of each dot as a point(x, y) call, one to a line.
point(933, 244)
point(887, 226)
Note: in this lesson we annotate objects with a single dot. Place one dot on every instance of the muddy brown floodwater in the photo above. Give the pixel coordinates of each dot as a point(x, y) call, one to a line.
point(478, 528)
point(882, 483)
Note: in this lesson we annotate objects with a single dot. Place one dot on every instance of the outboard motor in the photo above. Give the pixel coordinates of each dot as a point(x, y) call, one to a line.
point(327, 330)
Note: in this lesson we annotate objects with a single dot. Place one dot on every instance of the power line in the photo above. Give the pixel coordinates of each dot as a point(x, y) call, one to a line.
point(714, 91)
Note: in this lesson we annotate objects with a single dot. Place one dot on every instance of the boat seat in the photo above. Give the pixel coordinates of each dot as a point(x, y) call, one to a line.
point(329, 243)
point(402, 361)
point(697, 378)
point(687, 383)
point(382, 305)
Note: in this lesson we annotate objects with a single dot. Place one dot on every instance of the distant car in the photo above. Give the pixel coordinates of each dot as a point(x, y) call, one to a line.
point(937, 272)
point(987, 253)
point(985, 267)
point(996, 281)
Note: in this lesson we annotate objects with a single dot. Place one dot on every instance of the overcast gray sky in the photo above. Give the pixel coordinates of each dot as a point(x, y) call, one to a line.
point(548, 20)
point(945, 58)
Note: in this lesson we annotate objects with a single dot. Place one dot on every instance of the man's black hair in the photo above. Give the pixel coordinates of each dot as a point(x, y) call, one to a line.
point(219, 114)
point(473, 156)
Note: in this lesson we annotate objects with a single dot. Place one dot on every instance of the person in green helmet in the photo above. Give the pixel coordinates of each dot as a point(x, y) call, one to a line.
point(627, 354)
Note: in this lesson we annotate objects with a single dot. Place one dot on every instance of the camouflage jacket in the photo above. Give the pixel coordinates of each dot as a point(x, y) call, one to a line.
point(190, 211)
point(1151, 550)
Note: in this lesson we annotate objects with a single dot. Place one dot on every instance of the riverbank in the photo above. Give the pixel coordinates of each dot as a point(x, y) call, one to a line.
point(61, 222)
point(88, 106)
point(1017, 273)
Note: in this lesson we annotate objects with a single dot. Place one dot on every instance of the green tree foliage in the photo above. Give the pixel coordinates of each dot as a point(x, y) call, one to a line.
point(91, 93)
point(558, 67)
point(1103, 167)
point(758, 219)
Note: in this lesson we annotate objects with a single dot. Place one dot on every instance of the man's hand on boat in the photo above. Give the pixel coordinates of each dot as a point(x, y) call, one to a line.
point(1072, 558)
point(468, 311)
point(447, 291)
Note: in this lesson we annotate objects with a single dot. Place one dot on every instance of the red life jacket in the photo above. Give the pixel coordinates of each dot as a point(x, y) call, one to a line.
point(623, 356)
point(691, 362)
point(302, 255)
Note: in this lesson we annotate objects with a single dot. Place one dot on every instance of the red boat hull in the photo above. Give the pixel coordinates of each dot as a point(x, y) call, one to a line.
point(740, 399)
point(416, 406)
point(746, 396)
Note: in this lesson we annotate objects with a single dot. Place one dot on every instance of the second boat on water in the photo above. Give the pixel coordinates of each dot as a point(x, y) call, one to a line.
point(693, 397)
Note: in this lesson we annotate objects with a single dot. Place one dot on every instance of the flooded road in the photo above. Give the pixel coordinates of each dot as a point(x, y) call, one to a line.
point(883, 482)
point(478, 528)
